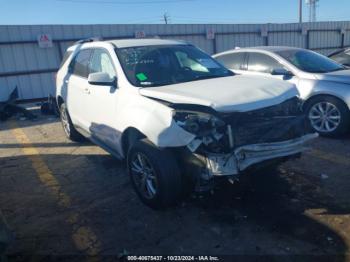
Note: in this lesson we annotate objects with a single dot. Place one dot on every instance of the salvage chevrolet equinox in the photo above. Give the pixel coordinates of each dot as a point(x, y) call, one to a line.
point(178, 117)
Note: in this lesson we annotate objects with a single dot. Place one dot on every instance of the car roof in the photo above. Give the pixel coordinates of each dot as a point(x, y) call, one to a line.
point(121, 43)
point(271, 48)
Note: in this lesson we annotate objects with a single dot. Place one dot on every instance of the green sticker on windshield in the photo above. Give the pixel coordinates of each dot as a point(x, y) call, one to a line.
point(141, 77)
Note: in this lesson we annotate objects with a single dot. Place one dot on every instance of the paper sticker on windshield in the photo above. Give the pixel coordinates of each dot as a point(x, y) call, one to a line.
point(141, 77)
point(208, 63)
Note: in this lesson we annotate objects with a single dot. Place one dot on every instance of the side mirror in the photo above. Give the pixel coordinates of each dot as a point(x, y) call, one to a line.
point(102, 79)
point(281, 72)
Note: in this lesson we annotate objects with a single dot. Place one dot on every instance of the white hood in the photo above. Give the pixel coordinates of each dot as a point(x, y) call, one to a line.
point(226, 94)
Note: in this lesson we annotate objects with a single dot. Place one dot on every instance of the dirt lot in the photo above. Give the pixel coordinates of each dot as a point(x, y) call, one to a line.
point(66, 199)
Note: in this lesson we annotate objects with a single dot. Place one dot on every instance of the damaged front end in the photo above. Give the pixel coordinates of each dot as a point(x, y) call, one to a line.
point(226, 144)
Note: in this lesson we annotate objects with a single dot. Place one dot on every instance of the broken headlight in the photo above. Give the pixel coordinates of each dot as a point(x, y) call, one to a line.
point(198, 123)
point(210, 131)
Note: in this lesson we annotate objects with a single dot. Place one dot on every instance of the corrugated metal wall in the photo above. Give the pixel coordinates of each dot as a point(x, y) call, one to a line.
point(31, 69)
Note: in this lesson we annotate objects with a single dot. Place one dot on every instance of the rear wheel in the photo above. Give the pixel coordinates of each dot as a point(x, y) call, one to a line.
point(68, 126)
point(154, 174)
point(328, 116)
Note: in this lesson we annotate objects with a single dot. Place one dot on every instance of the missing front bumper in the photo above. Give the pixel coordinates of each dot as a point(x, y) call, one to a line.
point(246, 156)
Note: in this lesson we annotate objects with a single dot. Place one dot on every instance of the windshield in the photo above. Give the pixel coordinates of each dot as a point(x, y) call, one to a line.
point(149, 66)
point(310, 62)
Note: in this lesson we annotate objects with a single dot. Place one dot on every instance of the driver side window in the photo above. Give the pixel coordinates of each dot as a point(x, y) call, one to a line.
point(101, 62)
point(262, 63)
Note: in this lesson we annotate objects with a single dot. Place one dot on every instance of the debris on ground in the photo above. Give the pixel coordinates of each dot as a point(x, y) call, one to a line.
point(9, 108)
point(50, 107)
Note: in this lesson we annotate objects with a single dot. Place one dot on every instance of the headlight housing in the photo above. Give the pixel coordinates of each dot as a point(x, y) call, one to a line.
point(210, 131)
point(198, 123)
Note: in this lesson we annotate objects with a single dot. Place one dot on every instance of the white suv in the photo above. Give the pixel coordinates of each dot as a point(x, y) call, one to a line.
point(179, 117)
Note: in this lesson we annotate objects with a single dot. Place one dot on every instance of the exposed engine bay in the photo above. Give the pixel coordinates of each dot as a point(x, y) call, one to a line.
point(222, 132)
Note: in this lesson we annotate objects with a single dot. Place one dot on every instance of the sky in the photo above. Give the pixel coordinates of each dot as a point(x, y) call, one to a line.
point(152, 11)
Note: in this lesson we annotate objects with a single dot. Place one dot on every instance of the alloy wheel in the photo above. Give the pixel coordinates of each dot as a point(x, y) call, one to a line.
point(65, 121)
point(144, 175)
point(324, 117)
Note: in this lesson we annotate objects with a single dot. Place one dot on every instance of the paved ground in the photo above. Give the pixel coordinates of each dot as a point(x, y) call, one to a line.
point(61, 198)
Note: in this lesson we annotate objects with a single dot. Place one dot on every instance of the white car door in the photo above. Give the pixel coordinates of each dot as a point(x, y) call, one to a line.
point(78, 88)
point(103, 101)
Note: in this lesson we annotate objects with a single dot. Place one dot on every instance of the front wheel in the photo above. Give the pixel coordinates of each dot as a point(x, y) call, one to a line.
point(328, 116)
point(154, 174)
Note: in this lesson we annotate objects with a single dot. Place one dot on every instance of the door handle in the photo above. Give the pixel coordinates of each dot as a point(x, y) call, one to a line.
point(86, 90)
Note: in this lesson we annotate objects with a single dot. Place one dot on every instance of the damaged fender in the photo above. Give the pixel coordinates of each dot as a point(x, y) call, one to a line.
point(154, 120)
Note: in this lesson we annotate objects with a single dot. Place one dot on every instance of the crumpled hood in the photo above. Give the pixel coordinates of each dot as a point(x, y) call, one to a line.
point(226, 94)
point(342, 76)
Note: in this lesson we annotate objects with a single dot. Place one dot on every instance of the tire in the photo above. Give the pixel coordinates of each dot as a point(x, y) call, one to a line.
point(335, 115)
point(68, 126)
point(162, 186)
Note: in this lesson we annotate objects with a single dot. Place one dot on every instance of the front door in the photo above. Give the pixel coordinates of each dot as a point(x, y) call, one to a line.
point(262, 64)
point(103, 101)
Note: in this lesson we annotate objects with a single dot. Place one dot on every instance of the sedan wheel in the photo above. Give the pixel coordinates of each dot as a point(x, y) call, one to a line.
point(324, 117)
point(328, 115)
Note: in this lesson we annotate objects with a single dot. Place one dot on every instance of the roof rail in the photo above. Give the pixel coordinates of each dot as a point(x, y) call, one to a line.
point(87, 40)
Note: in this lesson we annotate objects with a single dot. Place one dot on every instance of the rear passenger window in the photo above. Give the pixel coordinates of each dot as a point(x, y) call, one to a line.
point(232, 61)
point(262, 63)
point(80, 64)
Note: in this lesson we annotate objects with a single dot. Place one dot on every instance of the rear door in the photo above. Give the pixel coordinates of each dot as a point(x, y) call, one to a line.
point(78, 88)
point(102, 102)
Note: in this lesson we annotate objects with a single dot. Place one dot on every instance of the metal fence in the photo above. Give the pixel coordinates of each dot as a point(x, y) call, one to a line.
point(25, 65)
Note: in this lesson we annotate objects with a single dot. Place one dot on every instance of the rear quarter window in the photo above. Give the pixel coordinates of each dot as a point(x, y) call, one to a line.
point(232, 61)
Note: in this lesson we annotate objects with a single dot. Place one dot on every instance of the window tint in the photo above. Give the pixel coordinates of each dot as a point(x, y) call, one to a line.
point(232, 61)
point(262, 63)
point(80, 64)
point(101, 62)
point(65, 57)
